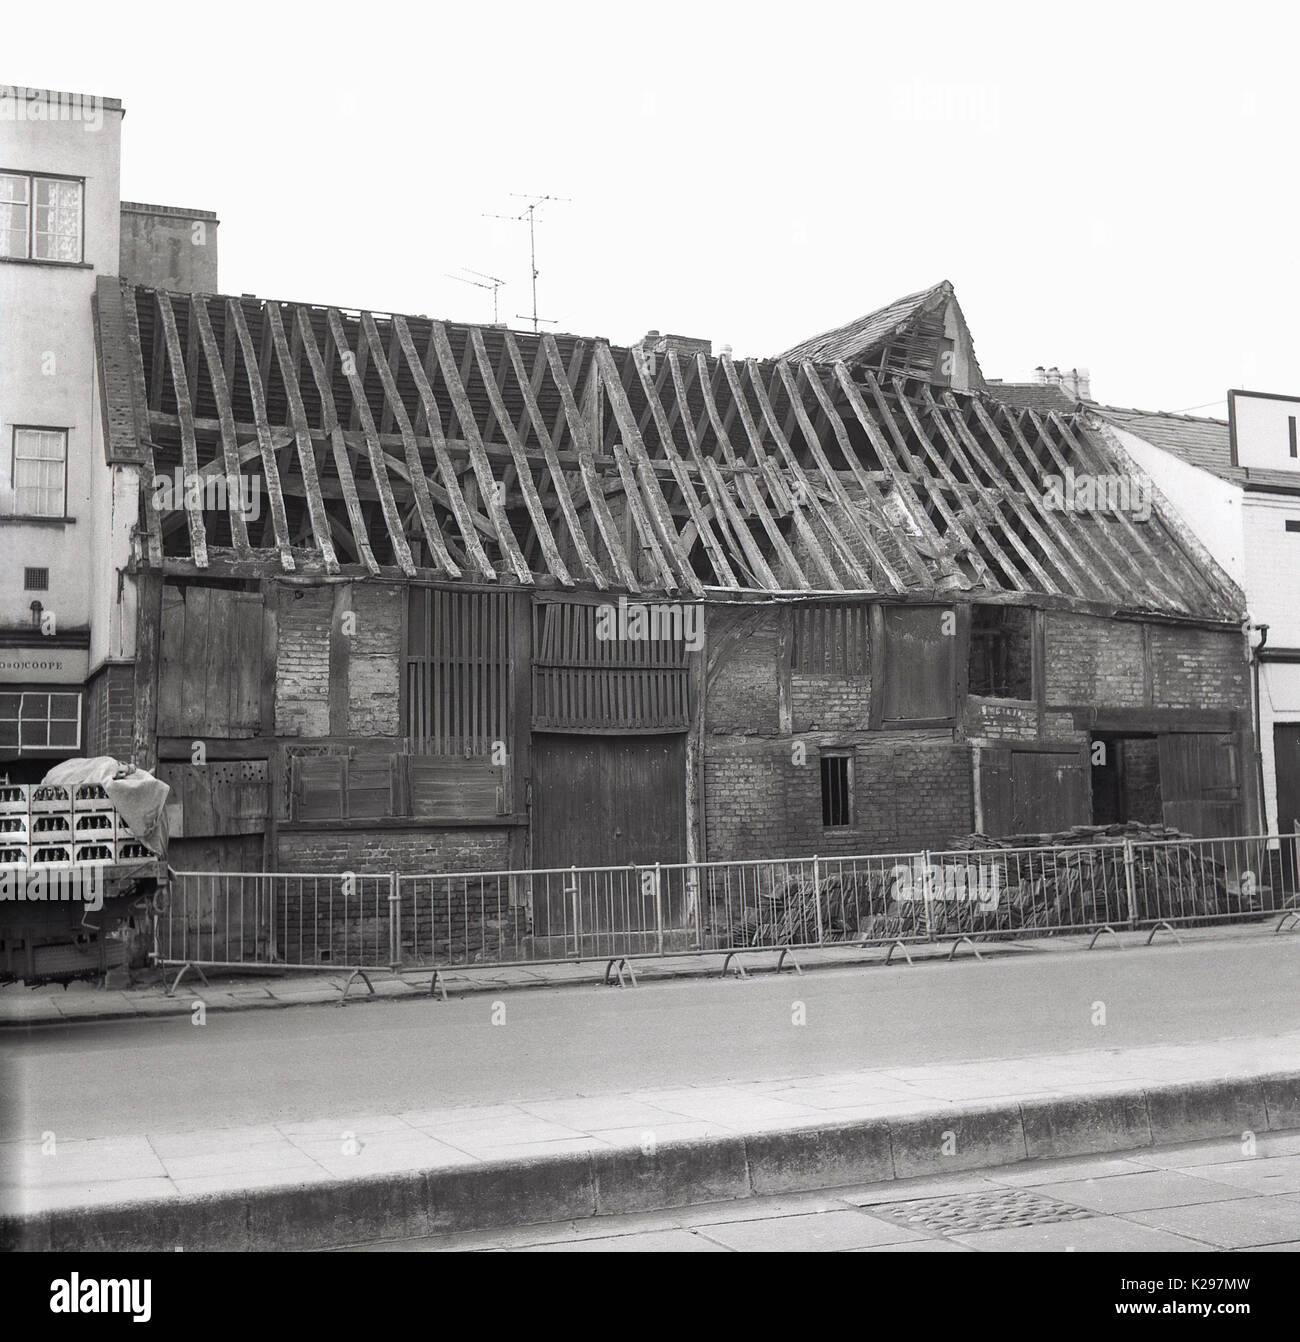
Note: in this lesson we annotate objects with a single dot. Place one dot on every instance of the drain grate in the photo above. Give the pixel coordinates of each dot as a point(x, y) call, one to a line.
point(966, 1212)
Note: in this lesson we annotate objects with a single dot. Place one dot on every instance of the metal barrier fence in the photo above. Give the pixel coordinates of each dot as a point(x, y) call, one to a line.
point(456, 920)
point(289, 920)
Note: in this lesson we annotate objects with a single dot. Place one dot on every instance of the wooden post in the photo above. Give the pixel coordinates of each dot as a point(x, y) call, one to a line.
point(519, 725)
point(148, 638)
point(340, 656)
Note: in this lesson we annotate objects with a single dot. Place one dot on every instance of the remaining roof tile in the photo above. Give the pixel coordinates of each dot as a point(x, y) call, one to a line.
point(853, 340)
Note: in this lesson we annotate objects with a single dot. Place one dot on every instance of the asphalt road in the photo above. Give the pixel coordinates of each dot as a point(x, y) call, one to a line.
point(118, 1077)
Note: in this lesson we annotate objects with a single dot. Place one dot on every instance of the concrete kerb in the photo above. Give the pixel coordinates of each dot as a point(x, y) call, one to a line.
point(638, 1178)
point(412, 984)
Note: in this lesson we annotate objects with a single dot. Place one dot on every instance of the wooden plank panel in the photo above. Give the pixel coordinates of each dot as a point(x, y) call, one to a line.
point(213, 682)
point(1200, 783)
point(171, 676)
point(195, 662)
point(246, 664)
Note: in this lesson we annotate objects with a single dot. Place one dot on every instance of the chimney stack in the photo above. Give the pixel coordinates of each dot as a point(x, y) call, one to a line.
point(1040, 374)
point(1085, 384)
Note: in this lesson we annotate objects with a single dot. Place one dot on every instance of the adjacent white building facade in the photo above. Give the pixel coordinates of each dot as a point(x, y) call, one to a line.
point(68, 511)
point(1237, 485)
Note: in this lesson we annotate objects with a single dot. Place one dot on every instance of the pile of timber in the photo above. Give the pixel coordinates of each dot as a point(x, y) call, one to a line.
point(1080, 882)
point(1077, 834)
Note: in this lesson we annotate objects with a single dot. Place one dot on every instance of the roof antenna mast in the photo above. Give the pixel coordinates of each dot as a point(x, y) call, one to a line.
point(529, 216)
point(493, 283)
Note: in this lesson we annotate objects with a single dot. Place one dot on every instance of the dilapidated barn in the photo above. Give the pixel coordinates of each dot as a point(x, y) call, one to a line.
point(442, 597)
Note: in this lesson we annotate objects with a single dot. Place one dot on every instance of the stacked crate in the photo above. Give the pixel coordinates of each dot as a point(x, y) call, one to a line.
point(43, 825)
point(15, 824)
point(95, 825)
point(53, 832)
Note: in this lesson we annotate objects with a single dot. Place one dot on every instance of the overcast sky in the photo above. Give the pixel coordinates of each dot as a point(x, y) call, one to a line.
point(1110, 186)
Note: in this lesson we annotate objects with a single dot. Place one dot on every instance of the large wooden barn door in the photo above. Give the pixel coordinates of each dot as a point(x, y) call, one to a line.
point(608, 800)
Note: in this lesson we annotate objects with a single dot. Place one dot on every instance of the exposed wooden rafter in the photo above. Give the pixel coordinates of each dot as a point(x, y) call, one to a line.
point(565, 463)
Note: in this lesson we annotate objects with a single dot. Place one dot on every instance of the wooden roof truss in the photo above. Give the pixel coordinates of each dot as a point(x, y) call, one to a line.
point(385, 445)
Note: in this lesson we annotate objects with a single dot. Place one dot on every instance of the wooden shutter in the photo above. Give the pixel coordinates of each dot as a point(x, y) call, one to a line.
point(832, 640)
point(458, 671)
point(920, 665)
point(582, 683)
point(210, 656)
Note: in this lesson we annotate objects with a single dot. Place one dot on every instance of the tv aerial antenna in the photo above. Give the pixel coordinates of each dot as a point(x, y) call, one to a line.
point(529, 216)
point(493, 283)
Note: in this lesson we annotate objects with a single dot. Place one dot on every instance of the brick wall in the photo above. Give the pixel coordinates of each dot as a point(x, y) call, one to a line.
point(375, 660)
point(302, 672)
point(1094, 661)
point(762, 788)
point(1198, 668)
point(109, 724)
point(385, 850)
point(444, 919)
point(910, 790)
point(821, 702)
point(742, 679)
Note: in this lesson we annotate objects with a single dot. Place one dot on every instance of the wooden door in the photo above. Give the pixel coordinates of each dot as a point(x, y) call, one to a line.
point(606, 801)
point(1286, 762)
point(1032, 791)
point(1200, 783)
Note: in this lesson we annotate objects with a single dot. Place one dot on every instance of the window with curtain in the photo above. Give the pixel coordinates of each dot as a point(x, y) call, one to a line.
point(40, 460)
point(40, 217)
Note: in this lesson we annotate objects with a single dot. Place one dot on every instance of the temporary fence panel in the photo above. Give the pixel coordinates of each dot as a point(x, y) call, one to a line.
point(292, 920)
point(455, 919)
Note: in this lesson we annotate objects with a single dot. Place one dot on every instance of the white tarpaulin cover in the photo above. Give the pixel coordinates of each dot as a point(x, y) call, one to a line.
point(140, 798)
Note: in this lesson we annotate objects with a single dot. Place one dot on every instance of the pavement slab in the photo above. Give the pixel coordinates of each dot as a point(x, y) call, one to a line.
point(987, 1212)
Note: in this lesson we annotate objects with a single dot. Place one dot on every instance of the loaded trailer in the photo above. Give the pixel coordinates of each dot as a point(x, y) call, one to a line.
point(78, 887)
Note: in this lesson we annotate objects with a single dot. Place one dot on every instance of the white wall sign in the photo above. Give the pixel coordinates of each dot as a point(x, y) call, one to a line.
point(1265, 430)
point(44, 666)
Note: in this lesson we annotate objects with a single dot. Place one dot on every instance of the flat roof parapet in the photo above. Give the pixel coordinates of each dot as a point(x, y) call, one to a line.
point(17, 92)
point(178, 211)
